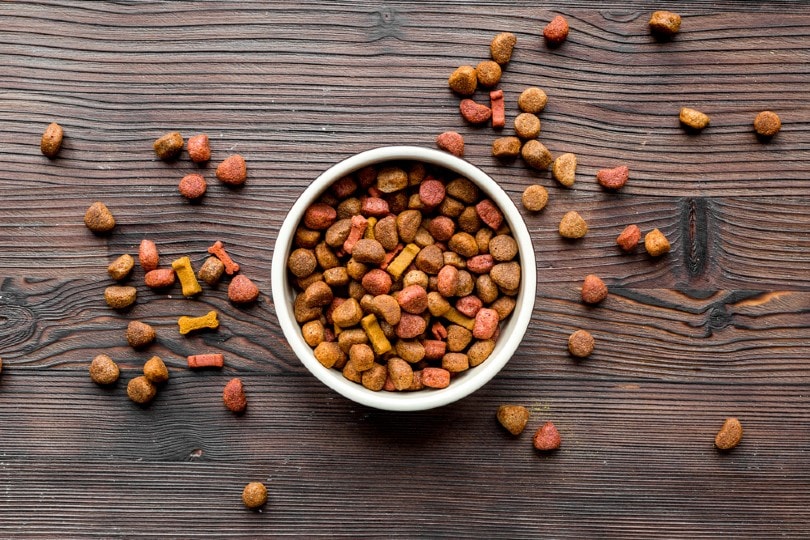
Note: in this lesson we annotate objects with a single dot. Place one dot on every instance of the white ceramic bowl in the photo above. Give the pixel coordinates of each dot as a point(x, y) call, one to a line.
point(461, 385)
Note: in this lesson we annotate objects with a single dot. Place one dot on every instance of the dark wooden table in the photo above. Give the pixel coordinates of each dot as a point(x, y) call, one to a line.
point(720, 327)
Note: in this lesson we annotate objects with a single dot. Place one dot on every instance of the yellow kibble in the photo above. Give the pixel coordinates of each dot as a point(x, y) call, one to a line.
point(456, 317)
point(369, 234)
point(190, 324)
point(185, 273)
point(376, 337)
point(402, 261)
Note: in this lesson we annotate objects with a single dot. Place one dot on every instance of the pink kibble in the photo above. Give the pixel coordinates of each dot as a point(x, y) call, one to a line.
point(431, 192)
point(489, 214)
point(469, 305)
point(480, 264)
point(486, 322)
point(433, 377)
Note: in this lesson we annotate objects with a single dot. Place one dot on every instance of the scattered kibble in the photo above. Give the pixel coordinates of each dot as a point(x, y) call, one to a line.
point(532, 100)
point(502, 46)
point(119, 296)
point(254, 495)
point(198, 361)
point(564, 169)
point(665, 24)
point(474, 113)
point(190, 324)
point(140, 334)
point(730, 434)
point(161, 278)
point(121, 267)
point(556, 31)
point(463, 81)
point(614, 178)
point(527, 126)
point(536, 155)
point(103, 370)
point(628, 239)
point(185, 273)
point(232, 171)
point(580, 344)
point(141, 390)
point(488, 73)
point(242, 290)
point(51, 141)
point(693, 119)
point(192, 186)
point(234, 396)
point(513, 418)
point(148, 255)
point(498, 108)
point(767, 124)
point(199, 149)
point(547, 438)
point(218, 251)
point(99, 219)
point(534, 198)
point(594, 289)
point(451, 142)
point(169, 146)
point(506, 147)
point(573, 226)
point(656, 243)
point(211, 271)
point(155, 370)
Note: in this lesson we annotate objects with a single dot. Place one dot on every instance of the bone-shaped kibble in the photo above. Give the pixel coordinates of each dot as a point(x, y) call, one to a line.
point(218, 251)
point(185, 273)
point(190, 324)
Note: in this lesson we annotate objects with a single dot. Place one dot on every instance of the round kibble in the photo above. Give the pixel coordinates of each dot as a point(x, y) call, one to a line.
point(302, 262)
point(506, 147)
point(121, 267)
point(168, 146)
point(547, 438)
point(463, 80)
point(502, 46)
point(254, 495)
point(535, 198)
point(564, 169)
point(199, 149)
point(141, 390)
point(211, 271)
point(120, 297)
point(155, 370)
point(656, 243)
point(503, 248)
point(99, 219)
point(140, 334)
point(556, 31)
point(629, 238)
point(242, 290)
point(103, 370)
point(489, 73)
point(767, 124)
point(573, 226)
point(51, 141)
point(532, 100)
point(594, 289)
point(664, 24)
point(580, 344)
point(536, 155)
point(513, 418)
point(527, 126)
point(232, 171)
point(192, 186)
point(233, 396)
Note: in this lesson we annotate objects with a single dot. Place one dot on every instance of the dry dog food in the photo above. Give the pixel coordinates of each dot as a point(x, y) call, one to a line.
point(501, 47)
point(141, 390)
point(474, 113)
point(594, 289)
point(463, 80)
point(614, 178)
point(162, 278)
point(564, 169)
point(532, 100)
point(406, 298)
point(120, 268)
point(218, 251)
point(488, 73)
point(506, 147)
point(120, 297)
point(192, 186)
point(547, 438)
point(242, 290)
point(628, 239)
point(665, 24)
point(190, 324)
point(535, 198)
point(155, 370)
point(103, 370)
point(580, 344)
point(254, 495)
point(451, 142)
point(730, 434)
point(140, 334)
point(51, 141)
point(767, 124)
point(185, 273)
point(527, 126)
point(99, 219)
point(573, 226)
point(556, 31)
point(498, 108)
point(233, 396)
point(693, 119)
point(197, 361)
point(211, 271)
point(656, 243)
point(169, 146)
point(513, 418)
point(148, 255)
point(536, 155)
point(199, 149)
point(232, 171)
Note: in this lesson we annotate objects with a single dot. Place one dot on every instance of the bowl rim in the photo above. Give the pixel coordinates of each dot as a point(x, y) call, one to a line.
point(469, 381)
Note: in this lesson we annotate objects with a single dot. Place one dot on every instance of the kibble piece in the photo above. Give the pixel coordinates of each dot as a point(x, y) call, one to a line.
point(488, 73)
point(120, 297)
point(313, 332)
point(535, 198)
point(242, 290)
point(451, 142)
point(140, 334)
point(148, 255)
point(656, 243)
point(199, 149)
point(506, 147)
point(730, 434)
point(474, 113)
point(185, 273)
point(594, 289)
point(628, 238)
point(527, 126)
point(564, 169)
point(580, 343)
point(374, 377)
point(513, 418)
point(463, 80)
point(168, 146)
point(197, 361)
point(693, 118)
point(212, 269)
point(507, 277)
point(103, 370)
point(302, 262)
point(161, 278)
point(536, 155)
point(463, 190)
point(233, 396)
point(155, 370)
point(498, 108)
point(192, 186)
point(556, 31)
point(400, 372)
point(187, 324)
point(99, 219)
point(767, 124)
point(391, 179)
point(547, 438)
point(141, 390)
point(665, 24)
point(455, 362)
point(614, 178)
point(433, 377)
point(573, 226)
point(51, 141)
point(532, 100)
point(232, 171)
point(254, 495)
point(502, 46)
point(368, 251)
point(329, 353)
point(480, 351)
point(120, 268)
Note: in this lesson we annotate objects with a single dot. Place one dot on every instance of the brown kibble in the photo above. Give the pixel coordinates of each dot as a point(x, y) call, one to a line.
point(329, 353)
point(506, 147)
point(628, 238)
point(513, 418)
point(464, 244)
point(368, 251)
point(573, 226)
point(120, 297)
point(141, 390)
point(564, 169)
point(51, 141)
point(232, 171)
point(594, 289)
point(348, 313)
point(614, 178)
point(488, 73)
point(463, 190)
point(211, 271)
point(693, 118)
point(148, 255)
point(391, 179)
point(140, 334)
point(480, 351)
point(527, 126)
point(400, 372)
point(313, 332)
point(532, 100)
point(506, 276)
point(664, 24)
point(120, 268)
point(199, 149)
point(155, 370)
point(168, 146)
point(503, 248)
point(254, 495)
point(535, 198)
point(580, 344)
point(161, 278)
point(556, 31)
point(463, 80)
point(242, 290)
point(302, 262)
point(502, 46)
point(374, 377)
point(547, 438)
point(192, 186)
point(98, 218)
point(233, 396)
point(536, 155)
point(361, 356)
point(729, 435)
point(451, 142)
point(656, 243)
point(103, 370)
point(474, 113)
point(455, 362)
point(767, 124)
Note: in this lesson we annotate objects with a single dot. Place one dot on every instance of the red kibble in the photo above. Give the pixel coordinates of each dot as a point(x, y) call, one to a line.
point(199, 149)
point(192, 186)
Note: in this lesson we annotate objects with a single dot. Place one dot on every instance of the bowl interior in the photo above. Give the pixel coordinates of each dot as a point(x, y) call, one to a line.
point(464, 383)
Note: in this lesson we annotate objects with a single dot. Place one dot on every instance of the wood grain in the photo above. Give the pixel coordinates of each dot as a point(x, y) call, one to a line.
point(719, 327)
